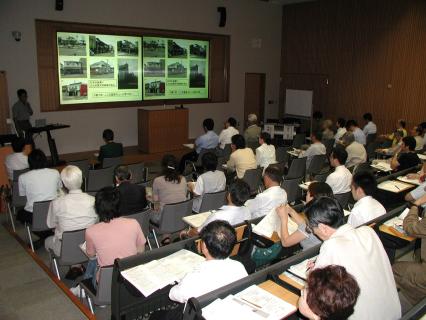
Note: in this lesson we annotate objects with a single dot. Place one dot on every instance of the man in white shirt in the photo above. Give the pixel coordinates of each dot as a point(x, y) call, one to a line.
point(272, 197)
point(366, 208)
point(340, 180)
point(370, 127)
point(227, 133)
point(361, 253)
point(341, 129)
point(316, 148)
point(218, 240)
point(359, 135)
point(210, 181)
point(356, 151)
point(265, 154)
point(18, 160)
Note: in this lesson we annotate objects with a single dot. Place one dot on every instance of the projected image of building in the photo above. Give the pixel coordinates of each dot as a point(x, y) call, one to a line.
point(73, 68)
point(154, 48)
point(155, 88)
point(98, 47)
point(197, 76)
point(175, 50)
point(176, 70)
point(154, 68)
point(127, 74)
point(197, 51)
point(127, 48)
point(71, 45)
point(74, 91)
point(101, 69)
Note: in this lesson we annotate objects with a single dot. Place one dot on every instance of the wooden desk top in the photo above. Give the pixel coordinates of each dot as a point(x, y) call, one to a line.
point(275, 237)
point(291, 282)
point(280, 292)
point(393, 232)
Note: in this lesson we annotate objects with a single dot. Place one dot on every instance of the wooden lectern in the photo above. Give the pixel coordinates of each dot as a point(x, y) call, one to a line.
point(161, 129)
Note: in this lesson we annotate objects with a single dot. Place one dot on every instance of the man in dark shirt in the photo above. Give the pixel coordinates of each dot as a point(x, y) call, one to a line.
point(407, 158)
point(132, 196)
point(110, 149)
point(21, 112)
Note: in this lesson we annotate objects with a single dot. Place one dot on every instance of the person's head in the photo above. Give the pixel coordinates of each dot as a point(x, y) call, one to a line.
point(122, 173)
point(231, 122)
point(408, 143)
point(72, 177)
point(218, 239)
point(367, 117)
point(330, 293)
point(265, 137)
point(169, 168)
point(400, 124)
point(351, 125)
point(316, 136)
point(37, 159)
point(398, 135)
point(238, 142)
point(251, 119)
point(208, 124)
point(423, 126)
point(327, 124)
point(341, 123)
point(317, 190)
point(338, 156)
point(272, 176)
point(209, 161)
point(324, 216)
point(348, 138)
point(238, 193)
point(317, 115)
point(107, 203)
point(18, 144)
point(416, 131)
point(108, 135)
point(363, 184)
point(22, 95)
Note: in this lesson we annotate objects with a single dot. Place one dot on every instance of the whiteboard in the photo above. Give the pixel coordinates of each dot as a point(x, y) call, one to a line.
point(298, 102)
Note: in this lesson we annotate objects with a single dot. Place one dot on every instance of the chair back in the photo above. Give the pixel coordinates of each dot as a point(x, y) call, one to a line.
point(212, 201)
point(198, 163)
point(17, 173)
point(282, 155)
point(298, 140)
point(297, 168)
point(321, 177)
point(343, 198)
point(112, 162)
point(143, 219)
point(226, 153)
point(103, 293)
point(97, 179)
point(83, 165)
point(17, 200)
point(138, 172)
point(172, 214)
point(316, 164)
point(371, 149)
point(291, 186)
point(365, 166)
point(329, 144)
point(370, 138)
point(70, 251)
point(40, 210)
point(253, 177)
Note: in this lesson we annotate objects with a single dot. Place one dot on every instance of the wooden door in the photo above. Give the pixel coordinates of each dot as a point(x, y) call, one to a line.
point(4, 104)
point(254, 96)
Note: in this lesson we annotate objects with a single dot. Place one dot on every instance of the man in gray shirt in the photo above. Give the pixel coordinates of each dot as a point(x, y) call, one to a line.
point(21, 112)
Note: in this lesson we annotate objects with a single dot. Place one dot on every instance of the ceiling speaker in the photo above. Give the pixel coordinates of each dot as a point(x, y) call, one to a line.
point(59, 5)
point(222, 16)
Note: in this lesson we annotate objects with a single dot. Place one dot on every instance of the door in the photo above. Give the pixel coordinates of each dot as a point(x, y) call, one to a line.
point(254, 96)
point(4, 104)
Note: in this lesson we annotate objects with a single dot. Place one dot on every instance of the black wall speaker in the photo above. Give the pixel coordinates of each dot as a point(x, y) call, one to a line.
point(59, 5)
point(222, 16)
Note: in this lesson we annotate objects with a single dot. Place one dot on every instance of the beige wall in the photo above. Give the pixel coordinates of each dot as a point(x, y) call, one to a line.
point(247, 19)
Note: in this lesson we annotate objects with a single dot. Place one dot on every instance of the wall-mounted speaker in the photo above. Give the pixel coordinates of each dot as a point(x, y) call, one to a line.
point(222, 16)
point(59, 5)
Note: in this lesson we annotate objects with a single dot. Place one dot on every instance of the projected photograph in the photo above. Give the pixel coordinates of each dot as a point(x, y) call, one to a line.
point(101, 46)
point(154, 47)
point(198, 51)
point(127, 73)
point(177, 69)
point(154, 68)
point(75, 90)
point(102, 69)
point(197, 76)
point(71, 44)
point(70, 67)
point(128, 48)
point(155, 88)
point(177, 49)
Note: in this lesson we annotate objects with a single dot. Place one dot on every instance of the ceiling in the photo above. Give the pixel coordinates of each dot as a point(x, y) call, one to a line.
point(285, 2)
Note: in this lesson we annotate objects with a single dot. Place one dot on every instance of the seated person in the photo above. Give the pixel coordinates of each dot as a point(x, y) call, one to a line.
point(316, 148)
point(423, 126)
point(400, 125)
point(327, 132)
point(341, 129)
point(18, 160)
point(252, 132)
point(406, 158)
point(370, 127)
point(272, 197)
point(366, 208)
point(74, 210)
point(218, 240)
point(361, 252)
point(359, 135)
point(110, 149)
point(113, 237)
point(209, 140)
point(210, 181)
point(340, 180)
point(398, 135)
point(356, 151)
point(416, 195)
point(410, 276)
point(417, 133)
point(301, 236)
point(265, 154)
point(329, 293)
point(227, 133)
point(241, 158)
point(132, 196)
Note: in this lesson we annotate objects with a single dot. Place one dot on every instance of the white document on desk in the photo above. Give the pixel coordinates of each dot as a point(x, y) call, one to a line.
point(412, 181)
point(382, 166)
point(272, 223)
point(189, 145)
point(397, 222)
point(197, 220)
point(394, 186)
point(229, 308)
point(301, 268)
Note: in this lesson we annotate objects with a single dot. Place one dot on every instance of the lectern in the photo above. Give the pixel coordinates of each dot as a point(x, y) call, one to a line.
point(162, 129)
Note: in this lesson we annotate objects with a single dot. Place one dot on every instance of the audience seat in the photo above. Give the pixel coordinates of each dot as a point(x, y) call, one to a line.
point(282, 155)
point(143, 219)
point(213, 201)
point(317, 164)
point(291, 186)
point(138, 172)
point(97, 179)
point(17, 173)
point(84, 166)
point(297, 168)
point(343, 198)
point(299, 140)
point(40, 210)
point(112, 162)
point(253, 177)
point(102, 295)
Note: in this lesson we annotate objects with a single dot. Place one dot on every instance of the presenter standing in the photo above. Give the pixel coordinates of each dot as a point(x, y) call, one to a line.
point(21, 112)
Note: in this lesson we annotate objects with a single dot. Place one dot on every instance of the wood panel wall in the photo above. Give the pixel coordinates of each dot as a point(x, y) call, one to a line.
point(372, 52)
point(4, 104)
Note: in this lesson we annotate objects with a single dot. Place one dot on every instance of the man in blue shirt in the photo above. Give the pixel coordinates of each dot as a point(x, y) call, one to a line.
point(209, 140)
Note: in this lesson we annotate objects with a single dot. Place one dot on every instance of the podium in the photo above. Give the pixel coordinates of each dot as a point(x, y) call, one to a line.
point(162, 129)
